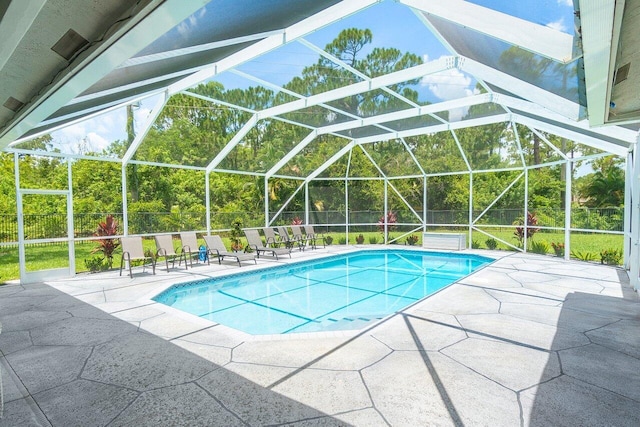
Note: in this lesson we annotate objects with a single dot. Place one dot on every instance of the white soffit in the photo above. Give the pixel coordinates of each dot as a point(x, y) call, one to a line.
point(143, 28)
point(597, 23)
point(15, 23)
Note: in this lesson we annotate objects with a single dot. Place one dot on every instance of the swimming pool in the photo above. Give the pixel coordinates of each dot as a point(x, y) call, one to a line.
point(340, 292)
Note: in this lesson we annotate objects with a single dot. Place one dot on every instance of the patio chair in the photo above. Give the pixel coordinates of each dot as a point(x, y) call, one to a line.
point(132, 250)
point(164, 246)
point(288, 241)
point(296, 230)
point(255, 242)
point(190, 246)
point(272, 239)
point(216, 247)
point(311, 234)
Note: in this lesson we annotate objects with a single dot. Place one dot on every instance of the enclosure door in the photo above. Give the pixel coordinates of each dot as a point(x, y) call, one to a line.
point(45, 239)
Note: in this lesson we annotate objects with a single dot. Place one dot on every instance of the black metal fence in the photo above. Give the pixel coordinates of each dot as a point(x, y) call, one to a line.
point(85, 225)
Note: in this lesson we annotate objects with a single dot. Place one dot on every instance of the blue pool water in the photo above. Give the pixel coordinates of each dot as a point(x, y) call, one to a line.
point(340, 292)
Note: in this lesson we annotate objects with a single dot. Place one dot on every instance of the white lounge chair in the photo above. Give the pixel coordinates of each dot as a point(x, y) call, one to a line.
point(255, 243)
point(190, 247)
point(310, 232)
point(132, 250)
point(164, 246)
point(216, 247)
point(289, 241)
point(272, 239)
point(302, 239)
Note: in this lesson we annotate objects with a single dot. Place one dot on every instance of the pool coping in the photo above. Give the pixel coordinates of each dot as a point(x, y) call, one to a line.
point(332, 251)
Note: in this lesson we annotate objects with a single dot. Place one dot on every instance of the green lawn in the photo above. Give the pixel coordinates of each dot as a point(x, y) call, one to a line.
point(55, 256)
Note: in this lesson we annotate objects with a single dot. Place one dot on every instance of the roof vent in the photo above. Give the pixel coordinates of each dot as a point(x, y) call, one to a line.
point(622, 73)
point(69, 44)
point(13, 104)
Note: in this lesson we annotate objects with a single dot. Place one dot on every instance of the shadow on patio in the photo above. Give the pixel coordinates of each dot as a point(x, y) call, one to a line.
point(68, 363)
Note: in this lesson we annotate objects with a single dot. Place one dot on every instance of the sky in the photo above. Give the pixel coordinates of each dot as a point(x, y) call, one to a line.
point(392, 25)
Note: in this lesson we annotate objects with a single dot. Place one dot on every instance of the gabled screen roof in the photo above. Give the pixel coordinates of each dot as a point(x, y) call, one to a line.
point(359, 70)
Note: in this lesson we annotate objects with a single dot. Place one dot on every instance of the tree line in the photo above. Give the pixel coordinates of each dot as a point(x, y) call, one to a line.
point(192, 131)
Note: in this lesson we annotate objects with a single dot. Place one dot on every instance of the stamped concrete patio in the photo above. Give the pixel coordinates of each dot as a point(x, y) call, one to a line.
point(528, 340)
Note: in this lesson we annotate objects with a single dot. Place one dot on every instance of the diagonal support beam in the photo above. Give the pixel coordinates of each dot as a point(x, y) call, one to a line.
point(299, 29)
point(523, 89)
point(416, 72)
point(408, 113)
point(232, 143)
point(536, 38)
point(153, 115)
point(498, 118)
point(617, 132)
point(292, 153)
point(143, 28)
point(313, 175)
point(572, 135)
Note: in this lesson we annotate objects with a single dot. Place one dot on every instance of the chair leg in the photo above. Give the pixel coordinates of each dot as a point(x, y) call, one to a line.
point(130, 270)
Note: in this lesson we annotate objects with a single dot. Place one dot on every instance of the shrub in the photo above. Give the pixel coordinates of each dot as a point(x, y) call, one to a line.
point(529, 231)
point(108, 227)
point(390, 220)
point(328, 240)
point(558, 248)
point(491, 243)
point(359, 239)
point(236, 234)
point(373, 240)
point(475, 244)
point(584, 255)
point(95, 264)
point(611, 257)
point(412, 239)
point(342, 241)
point(539, 247)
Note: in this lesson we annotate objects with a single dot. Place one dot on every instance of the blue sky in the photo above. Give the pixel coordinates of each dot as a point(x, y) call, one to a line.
point(392, 25)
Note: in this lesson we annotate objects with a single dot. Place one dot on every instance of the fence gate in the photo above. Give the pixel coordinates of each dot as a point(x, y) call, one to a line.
point(46, 249)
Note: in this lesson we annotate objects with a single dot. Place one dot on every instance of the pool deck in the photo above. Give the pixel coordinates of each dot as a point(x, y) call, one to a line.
point(528, 340)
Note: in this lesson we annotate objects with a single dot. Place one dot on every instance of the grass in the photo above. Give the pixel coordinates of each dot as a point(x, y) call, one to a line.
point(41, 257)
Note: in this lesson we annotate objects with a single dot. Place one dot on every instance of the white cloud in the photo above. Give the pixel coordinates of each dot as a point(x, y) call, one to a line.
point(568, 3)
point(97, 142)
point(450, 84)
point(558, 25)
point(192, 21)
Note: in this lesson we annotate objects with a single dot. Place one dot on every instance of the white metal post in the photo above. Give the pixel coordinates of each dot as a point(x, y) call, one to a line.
point(386, 210)
point(567, 211)
point(125, 215)
point(207, 201)
point(70, 226)
point(634, 270)
point(306, 202)
point(627, 209)
point(469, 245)
point(266, 201)
point(346, 207)
point(526, 207)
point(424, 203)
point(346, 194)
point(21, 254)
